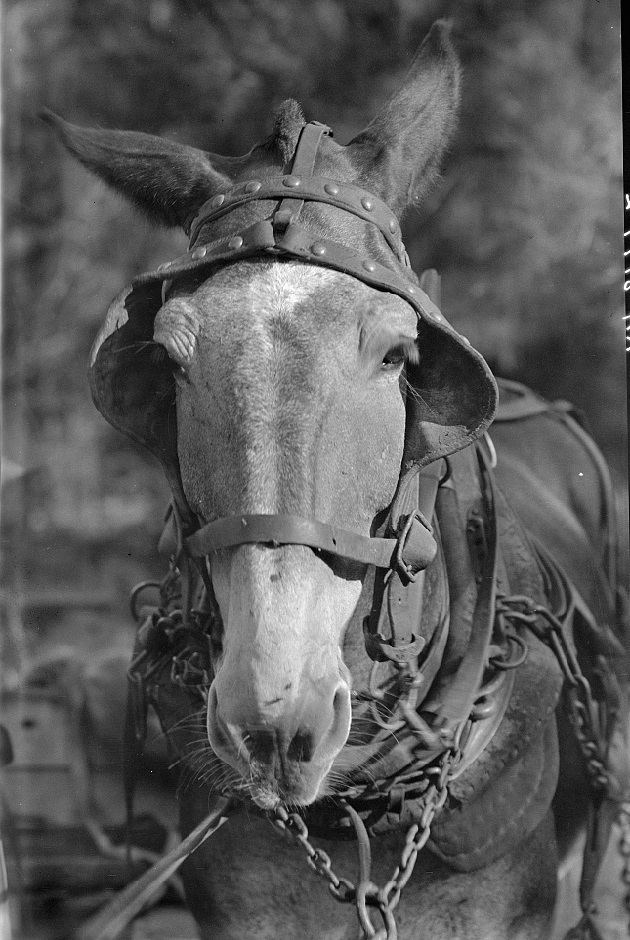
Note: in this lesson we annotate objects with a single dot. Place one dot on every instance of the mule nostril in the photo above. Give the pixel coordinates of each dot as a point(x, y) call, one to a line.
point(301, 747)
point(342, 716)
point(261, 745)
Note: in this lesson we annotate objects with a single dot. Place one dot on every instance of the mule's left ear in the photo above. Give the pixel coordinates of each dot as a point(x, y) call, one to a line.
point(398, 154)
point(166, 181)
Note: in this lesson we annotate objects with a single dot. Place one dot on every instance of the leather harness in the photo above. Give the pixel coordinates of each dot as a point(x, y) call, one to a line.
point(453, 726)
point(408, 547)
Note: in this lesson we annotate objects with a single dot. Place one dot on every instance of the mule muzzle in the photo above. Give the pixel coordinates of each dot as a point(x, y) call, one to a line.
point(282, 748)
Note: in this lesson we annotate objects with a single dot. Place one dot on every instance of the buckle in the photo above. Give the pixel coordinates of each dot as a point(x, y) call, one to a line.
point(423, 549)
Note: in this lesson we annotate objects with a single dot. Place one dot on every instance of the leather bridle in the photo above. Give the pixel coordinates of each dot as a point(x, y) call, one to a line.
point(470, 699)
point(409, 547)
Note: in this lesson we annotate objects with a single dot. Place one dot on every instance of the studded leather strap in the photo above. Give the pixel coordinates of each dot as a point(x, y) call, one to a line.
point(297, 242)
point(320, 189)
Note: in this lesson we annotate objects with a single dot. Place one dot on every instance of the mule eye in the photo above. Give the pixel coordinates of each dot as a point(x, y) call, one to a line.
point(394, 358)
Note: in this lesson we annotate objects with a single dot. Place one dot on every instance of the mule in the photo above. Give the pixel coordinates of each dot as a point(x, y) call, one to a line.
point(315, 414)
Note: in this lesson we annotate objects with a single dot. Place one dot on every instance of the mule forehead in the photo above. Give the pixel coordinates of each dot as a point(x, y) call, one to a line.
point(251, 299)
point(281, 392)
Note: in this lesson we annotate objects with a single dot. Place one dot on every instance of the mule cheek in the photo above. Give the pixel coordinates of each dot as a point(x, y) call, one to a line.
point(209, 471)
point(364, 440)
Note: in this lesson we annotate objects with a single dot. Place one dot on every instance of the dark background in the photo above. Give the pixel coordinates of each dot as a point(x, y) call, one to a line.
point(525, 227)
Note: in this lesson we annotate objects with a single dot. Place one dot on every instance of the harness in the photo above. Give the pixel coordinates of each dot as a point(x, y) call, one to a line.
point(443, 732)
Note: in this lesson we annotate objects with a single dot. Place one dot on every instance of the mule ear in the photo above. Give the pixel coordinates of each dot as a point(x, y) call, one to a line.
point(168, 182)
point(398, 155)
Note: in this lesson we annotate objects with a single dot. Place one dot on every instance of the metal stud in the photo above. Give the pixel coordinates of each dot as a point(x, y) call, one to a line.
point(369, 266)
point(393, 226)
point(367, 204)
point(411, 290)
point(253, 187)
point(466, 340)
point(217, 201)
point(291, 181)
point(318, 249)
point(199, 253)
point(235, 242)
point(331, 188)
point(438, 317)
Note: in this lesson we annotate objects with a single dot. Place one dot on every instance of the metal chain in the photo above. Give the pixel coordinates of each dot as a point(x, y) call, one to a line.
point(340, 888)
point(583, 712)
point(366, 893)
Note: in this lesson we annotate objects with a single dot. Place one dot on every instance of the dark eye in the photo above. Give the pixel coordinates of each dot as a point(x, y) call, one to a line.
point(394, 358)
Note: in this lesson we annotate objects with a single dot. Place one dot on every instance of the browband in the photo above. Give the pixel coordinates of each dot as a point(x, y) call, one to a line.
point(320, 189)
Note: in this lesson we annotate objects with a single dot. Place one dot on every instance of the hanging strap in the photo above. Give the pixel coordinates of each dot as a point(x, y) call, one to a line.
point(304, 158)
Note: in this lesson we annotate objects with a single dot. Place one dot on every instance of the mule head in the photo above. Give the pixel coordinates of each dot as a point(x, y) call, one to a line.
point(280, 387)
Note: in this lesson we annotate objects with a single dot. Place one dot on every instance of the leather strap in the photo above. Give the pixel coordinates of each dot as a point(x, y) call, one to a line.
point(320, 189)
point(416, 551)
point(297, 242)
point(307, 147)
point(459, 697)
point(397, 611)
point(526, 404)
point(303, 165)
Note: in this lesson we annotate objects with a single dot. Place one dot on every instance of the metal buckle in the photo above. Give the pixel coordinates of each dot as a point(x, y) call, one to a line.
point(401, 564)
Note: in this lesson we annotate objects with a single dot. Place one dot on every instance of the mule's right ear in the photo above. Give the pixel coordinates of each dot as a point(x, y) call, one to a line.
point(168, 182)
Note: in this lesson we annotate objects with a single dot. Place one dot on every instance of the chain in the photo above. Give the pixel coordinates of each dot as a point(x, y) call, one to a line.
point(587, 717)
point(366, 893)
point(583, 708)
point(340, 888)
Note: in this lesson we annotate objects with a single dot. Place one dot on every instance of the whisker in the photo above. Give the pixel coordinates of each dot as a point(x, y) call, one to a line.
point(415, 394)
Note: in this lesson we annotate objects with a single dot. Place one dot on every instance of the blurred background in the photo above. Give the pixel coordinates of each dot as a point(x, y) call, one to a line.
point(525, 227)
